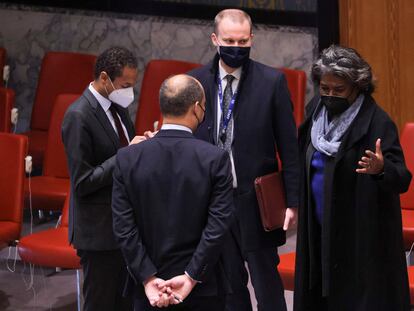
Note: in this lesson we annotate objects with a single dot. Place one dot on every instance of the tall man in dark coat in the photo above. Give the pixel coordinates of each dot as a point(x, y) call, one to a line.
point(249, 114)
point(94, 127)
point(172, 206)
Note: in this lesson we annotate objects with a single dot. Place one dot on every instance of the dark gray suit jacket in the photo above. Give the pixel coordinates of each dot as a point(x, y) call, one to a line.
point(172, 206)
point(91, 144)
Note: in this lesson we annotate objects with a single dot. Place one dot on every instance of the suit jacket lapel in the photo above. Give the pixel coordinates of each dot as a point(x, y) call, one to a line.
point(102, 118)
point(239, 99)
point(359, 127)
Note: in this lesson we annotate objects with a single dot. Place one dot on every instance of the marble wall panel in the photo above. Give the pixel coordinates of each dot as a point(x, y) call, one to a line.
point(27, 33)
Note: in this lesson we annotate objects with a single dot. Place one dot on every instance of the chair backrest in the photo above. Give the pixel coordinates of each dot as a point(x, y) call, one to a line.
point(61, 72)
point(155, 73)
point(54, 163)
point(2, 63)
point(6, 104)
point(407, 144)
point(12, 175)
point(64, 222)
point(296, 80)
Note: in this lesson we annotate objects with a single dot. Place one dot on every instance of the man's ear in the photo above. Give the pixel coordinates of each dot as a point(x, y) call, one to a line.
point(214, 39)
point(103, 76)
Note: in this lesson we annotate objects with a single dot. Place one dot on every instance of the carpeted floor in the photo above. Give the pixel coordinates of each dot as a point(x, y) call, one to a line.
point(51, 290)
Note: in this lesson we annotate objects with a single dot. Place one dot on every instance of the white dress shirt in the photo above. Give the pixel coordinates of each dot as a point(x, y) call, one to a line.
point(105, 104)
point(236, 74)
point(178, 127)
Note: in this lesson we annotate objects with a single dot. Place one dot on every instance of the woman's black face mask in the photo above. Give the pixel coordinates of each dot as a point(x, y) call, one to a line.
point(335, 105)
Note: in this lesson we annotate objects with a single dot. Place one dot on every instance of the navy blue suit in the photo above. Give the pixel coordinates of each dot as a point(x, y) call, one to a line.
point(172, 207)
point(263, 125)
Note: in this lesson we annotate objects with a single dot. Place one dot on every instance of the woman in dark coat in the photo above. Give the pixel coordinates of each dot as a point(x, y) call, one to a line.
point(349, 250)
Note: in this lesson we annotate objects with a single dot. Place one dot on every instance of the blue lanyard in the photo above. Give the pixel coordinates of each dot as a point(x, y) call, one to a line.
point(225, 118)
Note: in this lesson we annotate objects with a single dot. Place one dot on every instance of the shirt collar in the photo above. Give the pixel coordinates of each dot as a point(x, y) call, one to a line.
point(104, 102)
point(176, 127)
point(236, 74)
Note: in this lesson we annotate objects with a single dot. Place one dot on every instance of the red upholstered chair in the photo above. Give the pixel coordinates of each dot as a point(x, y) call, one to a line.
point(6, 105)
point(296, 80)
point(51, 248)
point(411, 281)
point(155, 73)
point(61, 72)
point(12, 169)
point(407, 199)
point(50, 189)
point(286, 269)
point(2, 63)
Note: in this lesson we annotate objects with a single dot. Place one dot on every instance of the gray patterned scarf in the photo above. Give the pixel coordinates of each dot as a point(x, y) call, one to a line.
point(326, 137)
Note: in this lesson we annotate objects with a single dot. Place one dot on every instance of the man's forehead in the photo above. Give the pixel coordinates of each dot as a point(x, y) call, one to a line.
point(227, 26)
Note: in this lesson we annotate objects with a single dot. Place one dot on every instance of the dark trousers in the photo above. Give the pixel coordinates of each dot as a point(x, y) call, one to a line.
point(267, 284)
point(265, 278)
point(213, 303)
point(104, 280)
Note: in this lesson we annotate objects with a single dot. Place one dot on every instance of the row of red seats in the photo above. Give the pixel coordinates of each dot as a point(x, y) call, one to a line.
point(64, 72)
point(48, 191)
point(49, 248)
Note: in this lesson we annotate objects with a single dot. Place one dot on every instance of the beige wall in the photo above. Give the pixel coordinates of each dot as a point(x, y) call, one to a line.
point(383, 32)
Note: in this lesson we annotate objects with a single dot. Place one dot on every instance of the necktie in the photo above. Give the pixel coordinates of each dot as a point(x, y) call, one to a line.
point(225, 139)
point(123, 141)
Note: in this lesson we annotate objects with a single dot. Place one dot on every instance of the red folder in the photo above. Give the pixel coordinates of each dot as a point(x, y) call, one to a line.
point(271, 197)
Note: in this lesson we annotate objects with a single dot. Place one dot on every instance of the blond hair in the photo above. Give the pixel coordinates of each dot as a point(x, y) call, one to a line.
point(235, 15)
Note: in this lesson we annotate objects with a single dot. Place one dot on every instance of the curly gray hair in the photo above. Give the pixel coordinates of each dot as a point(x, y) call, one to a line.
point(345, 63)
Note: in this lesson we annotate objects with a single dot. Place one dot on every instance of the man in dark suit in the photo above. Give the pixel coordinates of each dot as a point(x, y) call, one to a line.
point(249, 114)
point(172, 206)
point(94, 127)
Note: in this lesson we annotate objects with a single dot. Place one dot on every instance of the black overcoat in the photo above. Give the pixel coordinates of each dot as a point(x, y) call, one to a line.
point(263, 125)
point(361, 248)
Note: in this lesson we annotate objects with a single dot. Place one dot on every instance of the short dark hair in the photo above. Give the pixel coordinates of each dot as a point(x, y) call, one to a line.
point(113, 61)
point(176, 98)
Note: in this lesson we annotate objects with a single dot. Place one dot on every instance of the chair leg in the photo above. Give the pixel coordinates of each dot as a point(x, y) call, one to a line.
point(78, 289)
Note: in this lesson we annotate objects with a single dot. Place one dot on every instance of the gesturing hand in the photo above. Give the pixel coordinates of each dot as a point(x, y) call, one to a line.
point(149, 134)
point(373, 163)
point(137, 139)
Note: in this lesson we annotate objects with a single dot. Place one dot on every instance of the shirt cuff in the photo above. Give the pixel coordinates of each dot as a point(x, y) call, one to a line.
point(186, 273)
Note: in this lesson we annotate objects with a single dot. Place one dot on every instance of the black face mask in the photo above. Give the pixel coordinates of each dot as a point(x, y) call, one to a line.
point(234, 56)
point(335, 105)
